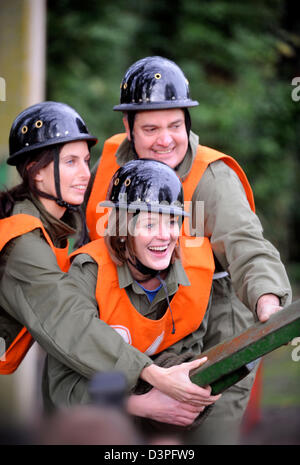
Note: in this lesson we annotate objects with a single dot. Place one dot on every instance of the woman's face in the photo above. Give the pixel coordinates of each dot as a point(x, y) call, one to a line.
point(155, 238)
point(74, 173)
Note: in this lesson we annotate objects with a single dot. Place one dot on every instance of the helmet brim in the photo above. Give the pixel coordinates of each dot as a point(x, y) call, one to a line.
point(14, 159)
point(135, 207)
point(156, 105)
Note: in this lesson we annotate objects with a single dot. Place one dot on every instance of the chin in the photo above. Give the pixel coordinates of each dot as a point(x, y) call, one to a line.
point(75, 201)
point(161, 266)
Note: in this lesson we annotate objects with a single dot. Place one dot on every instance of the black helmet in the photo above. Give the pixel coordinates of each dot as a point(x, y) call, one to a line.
point(43, 125)
point(146, 185)
point(154, 83)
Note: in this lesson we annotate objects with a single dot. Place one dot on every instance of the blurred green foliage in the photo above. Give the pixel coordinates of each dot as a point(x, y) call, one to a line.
point(240, 59)
point(279, 390)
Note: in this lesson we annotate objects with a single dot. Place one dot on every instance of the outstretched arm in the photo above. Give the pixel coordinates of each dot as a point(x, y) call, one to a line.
point(237, 239)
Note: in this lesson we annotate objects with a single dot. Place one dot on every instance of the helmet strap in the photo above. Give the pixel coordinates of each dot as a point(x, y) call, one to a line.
point(56, 172)
point(145, 270)
point(130, 119)
point(58, 199)
point(188, 122)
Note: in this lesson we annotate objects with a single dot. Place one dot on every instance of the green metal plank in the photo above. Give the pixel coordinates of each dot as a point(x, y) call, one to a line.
point(227, 361)
point(220, 385)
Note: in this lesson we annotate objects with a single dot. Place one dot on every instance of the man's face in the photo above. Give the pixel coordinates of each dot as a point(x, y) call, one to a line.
point(160, 135)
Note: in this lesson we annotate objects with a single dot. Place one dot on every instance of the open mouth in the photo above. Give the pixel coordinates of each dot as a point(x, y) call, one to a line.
point(80, 187)
point(164, 152)
point(158, 250)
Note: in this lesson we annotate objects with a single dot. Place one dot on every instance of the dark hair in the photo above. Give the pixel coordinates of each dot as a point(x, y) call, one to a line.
point(27, 171)
point(121, 245)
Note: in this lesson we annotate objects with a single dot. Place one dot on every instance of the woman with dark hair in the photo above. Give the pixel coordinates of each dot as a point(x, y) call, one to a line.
point(49, 145)
point(135, 277)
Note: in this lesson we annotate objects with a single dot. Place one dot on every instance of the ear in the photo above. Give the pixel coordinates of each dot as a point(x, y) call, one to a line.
point(38, 176)
point(126, 125)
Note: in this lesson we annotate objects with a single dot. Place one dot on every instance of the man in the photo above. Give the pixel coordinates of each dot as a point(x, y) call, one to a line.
point(249, 274)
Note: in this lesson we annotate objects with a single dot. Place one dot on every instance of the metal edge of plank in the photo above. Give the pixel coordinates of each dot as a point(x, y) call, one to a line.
point(226, 360)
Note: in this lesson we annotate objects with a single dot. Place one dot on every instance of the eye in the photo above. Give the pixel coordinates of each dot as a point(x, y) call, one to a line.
point(173, 222)
point(150, 130)
point(148, 226)
point(176, 126)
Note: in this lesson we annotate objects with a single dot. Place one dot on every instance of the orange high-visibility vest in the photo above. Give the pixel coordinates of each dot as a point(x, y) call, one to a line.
point(96, 216)
point(188, 305)
point(10, 228)
point(199, 254)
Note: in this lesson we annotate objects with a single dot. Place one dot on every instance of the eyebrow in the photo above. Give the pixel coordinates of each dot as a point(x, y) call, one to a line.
point(75, 155)
point(179, 120)
point(151, 125)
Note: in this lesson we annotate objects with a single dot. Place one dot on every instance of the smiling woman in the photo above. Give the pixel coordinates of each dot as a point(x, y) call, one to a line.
point(49, 145)
point(74, 174)
point(155, 239)
point(135, 277)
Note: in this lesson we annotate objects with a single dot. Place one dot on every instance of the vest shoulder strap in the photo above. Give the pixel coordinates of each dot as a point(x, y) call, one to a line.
point(112, 144)
point(17, 225)
point(205, 156)
point(96, 249)
point(106, 168)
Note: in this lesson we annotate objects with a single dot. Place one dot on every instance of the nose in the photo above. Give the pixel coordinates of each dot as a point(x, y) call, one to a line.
point(84, 170)
point(164, 138)
point(164, 231)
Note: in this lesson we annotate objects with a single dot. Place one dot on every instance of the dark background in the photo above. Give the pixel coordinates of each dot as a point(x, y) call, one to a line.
point(240, 59)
